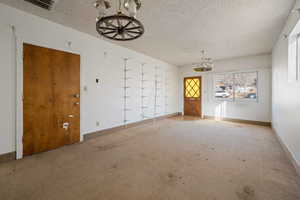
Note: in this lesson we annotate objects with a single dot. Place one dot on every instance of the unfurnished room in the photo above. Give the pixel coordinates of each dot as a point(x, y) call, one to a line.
point(150, 100)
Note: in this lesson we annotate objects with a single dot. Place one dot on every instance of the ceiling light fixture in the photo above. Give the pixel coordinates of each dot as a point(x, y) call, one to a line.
point(120, 27)
point(205, 65)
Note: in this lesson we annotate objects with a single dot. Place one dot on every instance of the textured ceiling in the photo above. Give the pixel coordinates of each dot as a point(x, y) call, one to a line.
point(177, 30)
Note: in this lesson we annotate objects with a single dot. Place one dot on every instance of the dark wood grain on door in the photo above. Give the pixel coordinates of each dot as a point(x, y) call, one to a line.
point(51, 91)
point(192, 96)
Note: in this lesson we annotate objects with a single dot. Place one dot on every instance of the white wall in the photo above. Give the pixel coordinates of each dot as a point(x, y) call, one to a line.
point(256, 111)
point(7, 102)
point(286, 94)
point(99, 59)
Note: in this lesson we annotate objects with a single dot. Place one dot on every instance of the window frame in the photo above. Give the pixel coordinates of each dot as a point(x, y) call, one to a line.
point(234, 99)
point(214, 87)
point(297, 57)
point(293, 71)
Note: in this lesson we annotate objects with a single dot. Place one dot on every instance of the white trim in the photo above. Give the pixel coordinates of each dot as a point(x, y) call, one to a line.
point(19, 98)
point(19, 91)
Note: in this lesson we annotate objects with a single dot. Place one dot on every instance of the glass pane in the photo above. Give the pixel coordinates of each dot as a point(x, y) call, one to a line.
point(192, 88)
point(224, 86)
point(246, 85)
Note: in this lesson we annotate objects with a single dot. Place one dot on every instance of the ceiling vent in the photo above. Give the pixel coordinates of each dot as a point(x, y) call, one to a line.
point(46, 4)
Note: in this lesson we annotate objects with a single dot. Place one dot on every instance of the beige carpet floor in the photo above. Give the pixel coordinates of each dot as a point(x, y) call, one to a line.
point(173, 159)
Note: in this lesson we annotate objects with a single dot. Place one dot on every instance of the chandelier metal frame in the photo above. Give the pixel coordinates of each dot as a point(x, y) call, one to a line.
point(205, 65)
point(120, 27)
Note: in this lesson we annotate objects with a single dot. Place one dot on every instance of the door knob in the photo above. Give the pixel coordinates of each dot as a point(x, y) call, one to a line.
point(76, 103)
point(66, 125)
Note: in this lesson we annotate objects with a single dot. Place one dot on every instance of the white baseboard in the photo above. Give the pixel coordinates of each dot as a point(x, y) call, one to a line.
point(288, 153)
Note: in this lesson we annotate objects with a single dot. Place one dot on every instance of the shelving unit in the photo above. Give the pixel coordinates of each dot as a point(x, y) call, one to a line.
point(126, 88)
point(143, 88)
point(157, 88)
point(166, 92)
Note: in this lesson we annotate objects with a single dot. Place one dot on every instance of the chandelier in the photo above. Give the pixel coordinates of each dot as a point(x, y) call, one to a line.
point(120, 26)
point(205, 65)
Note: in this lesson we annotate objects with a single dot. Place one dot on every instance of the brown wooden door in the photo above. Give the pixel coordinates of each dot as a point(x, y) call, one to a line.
point(192, 96)
point(51, 109)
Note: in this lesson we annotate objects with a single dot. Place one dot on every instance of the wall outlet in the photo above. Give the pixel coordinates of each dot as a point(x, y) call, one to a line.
point(97, 123)
point(85, 88)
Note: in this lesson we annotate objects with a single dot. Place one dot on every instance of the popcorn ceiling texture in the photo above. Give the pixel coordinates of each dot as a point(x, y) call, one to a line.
point(176, 30)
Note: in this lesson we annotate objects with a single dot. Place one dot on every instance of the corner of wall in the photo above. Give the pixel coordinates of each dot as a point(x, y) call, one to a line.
point(288, 152)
